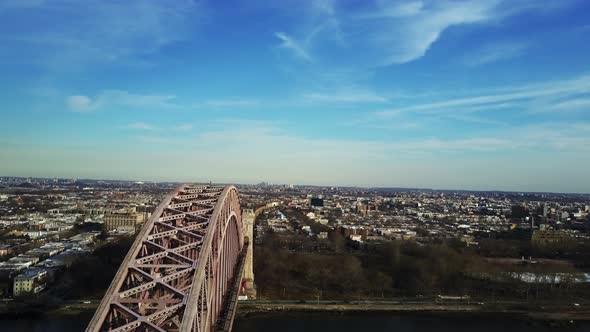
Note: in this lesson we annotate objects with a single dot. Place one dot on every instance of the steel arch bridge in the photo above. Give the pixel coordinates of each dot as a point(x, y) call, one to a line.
point(183, 271)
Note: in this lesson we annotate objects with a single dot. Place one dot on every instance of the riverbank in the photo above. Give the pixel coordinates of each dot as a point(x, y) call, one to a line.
point(549, 312)
point(402, 322)
point(320, 321)
point(538, 312)
point(22, 310)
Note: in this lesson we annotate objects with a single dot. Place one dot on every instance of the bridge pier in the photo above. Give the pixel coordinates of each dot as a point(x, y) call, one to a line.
point(248, 217)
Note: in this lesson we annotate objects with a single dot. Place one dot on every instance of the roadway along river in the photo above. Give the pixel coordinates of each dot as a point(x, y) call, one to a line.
point(332, 322)
point(312, 322)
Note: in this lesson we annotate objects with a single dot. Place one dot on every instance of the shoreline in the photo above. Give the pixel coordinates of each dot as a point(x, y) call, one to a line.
point(550, 313)
point(247, 309)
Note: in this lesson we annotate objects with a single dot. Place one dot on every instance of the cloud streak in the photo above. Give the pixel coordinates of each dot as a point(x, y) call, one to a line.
point(295, 46)
point(351, 97)
point(98, 31)
point(396, 32)
point(429, 162)
point(141, 126)
point(79, 103)
point(495, 52)
point(118, 98)
point(406, 32)
point(264, 135)
point(518, 97)
point(146, 127)
point(228, 103)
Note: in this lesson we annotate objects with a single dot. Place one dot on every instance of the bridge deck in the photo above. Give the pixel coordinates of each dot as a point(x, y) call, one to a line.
point(230, 306)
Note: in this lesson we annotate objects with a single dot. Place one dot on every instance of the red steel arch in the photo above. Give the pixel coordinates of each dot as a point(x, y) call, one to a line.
point(179, 272)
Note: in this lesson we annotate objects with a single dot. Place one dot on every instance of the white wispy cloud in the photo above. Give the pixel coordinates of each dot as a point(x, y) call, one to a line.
point(530, 97)
point(110, 98)
point(295, 46)
point(96, 31)
point(407, 32)
point(353, 96)
point(106, 99)
point(323, 6)
point(400, 9)
point(498, 160)
point(494, 52)
point(79, 103)
point(563, 137)
point(265, 135)
point(183, 127)
point(577, 104)
point(141, 126)
point(229, 103)
point(396, 32)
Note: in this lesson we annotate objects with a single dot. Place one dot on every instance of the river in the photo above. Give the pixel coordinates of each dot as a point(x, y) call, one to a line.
point(323, 322)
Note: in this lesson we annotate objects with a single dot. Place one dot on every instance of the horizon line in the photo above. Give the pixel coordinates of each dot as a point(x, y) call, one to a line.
point(314, 185)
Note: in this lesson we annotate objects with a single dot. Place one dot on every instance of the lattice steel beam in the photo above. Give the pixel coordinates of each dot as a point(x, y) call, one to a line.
point(177, 274)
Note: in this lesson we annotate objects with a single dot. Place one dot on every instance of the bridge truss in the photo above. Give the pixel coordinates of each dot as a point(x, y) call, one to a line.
point(181, 271)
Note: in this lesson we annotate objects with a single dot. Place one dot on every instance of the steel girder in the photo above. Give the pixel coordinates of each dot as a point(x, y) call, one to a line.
point(178, 272)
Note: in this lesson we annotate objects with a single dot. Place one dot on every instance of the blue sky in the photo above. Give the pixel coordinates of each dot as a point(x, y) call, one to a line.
point(484, 94)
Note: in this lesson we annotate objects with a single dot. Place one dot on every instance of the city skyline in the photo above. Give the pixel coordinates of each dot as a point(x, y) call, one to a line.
point(479, 95)
point(48, 180)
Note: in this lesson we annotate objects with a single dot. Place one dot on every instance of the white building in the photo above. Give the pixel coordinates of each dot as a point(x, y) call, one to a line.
point(32, 281)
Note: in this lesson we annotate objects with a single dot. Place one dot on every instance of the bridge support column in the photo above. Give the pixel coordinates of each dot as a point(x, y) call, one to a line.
point(248, 218)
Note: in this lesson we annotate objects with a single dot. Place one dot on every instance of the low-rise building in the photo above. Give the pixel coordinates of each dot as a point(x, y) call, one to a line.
point(123, 222)
point(6, 249)
point(32, 281)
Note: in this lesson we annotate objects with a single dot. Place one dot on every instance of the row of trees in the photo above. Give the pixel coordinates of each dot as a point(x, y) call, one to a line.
point(89, 277)
point(393, 269)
